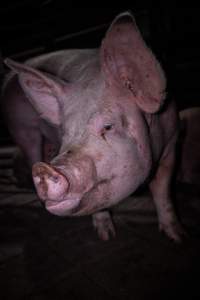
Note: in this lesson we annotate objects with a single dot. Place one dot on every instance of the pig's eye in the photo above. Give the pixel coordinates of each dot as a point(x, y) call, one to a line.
point(108, 127)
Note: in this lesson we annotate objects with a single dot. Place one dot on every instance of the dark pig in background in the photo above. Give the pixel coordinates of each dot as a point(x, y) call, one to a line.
point(104, 116)
point(189, 165)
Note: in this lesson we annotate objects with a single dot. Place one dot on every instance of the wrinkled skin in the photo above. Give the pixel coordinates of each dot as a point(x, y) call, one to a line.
point(104, 112)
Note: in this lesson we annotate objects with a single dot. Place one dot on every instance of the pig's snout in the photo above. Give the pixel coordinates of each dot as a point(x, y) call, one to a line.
point(64, 183)
point(49, 182)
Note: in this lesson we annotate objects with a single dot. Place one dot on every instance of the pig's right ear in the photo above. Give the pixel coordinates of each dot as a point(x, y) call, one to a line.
point(43, 92)
point(128, 63)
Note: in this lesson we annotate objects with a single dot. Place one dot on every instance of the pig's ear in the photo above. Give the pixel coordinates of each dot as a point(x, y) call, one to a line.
point(128, 62)
point(42, 91)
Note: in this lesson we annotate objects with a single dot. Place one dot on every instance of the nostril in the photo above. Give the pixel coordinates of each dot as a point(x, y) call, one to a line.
point(49, 182)
point(55, 179)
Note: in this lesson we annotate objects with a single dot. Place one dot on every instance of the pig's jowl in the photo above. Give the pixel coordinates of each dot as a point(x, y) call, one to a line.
point(102, 113)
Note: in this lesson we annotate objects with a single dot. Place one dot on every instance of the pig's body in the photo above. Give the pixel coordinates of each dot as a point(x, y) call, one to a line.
point(102, 111)
point(189, 170)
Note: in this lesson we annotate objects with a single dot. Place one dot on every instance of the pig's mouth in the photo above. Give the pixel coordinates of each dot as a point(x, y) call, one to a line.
point(63, 207)
point(83, 204)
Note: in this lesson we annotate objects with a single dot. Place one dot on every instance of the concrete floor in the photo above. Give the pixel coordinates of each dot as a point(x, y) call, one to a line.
point(47, 257)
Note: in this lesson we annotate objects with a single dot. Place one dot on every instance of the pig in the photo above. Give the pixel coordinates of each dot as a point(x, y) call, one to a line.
point(189, 165)
point(109, 123)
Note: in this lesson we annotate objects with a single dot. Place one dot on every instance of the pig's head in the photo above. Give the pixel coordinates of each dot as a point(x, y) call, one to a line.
point(105, 152)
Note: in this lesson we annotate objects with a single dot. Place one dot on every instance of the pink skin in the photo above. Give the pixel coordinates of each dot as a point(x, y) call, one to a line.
point(113, 134)
point(26, 127)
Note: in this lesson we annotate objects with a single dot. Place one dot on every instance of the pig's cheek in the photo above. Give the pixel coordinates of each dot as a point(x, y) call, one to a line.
point(104, 167)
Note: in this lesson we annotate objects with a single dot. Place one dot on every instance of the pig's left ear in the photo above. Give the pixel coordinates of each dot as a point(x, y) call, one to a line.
point(128, 62)
point(43, 92)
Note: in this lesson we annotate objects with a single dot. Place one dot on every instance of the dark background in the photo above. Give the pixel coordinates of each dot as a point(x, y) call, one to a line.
point(45, 257)
point(32, 27)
